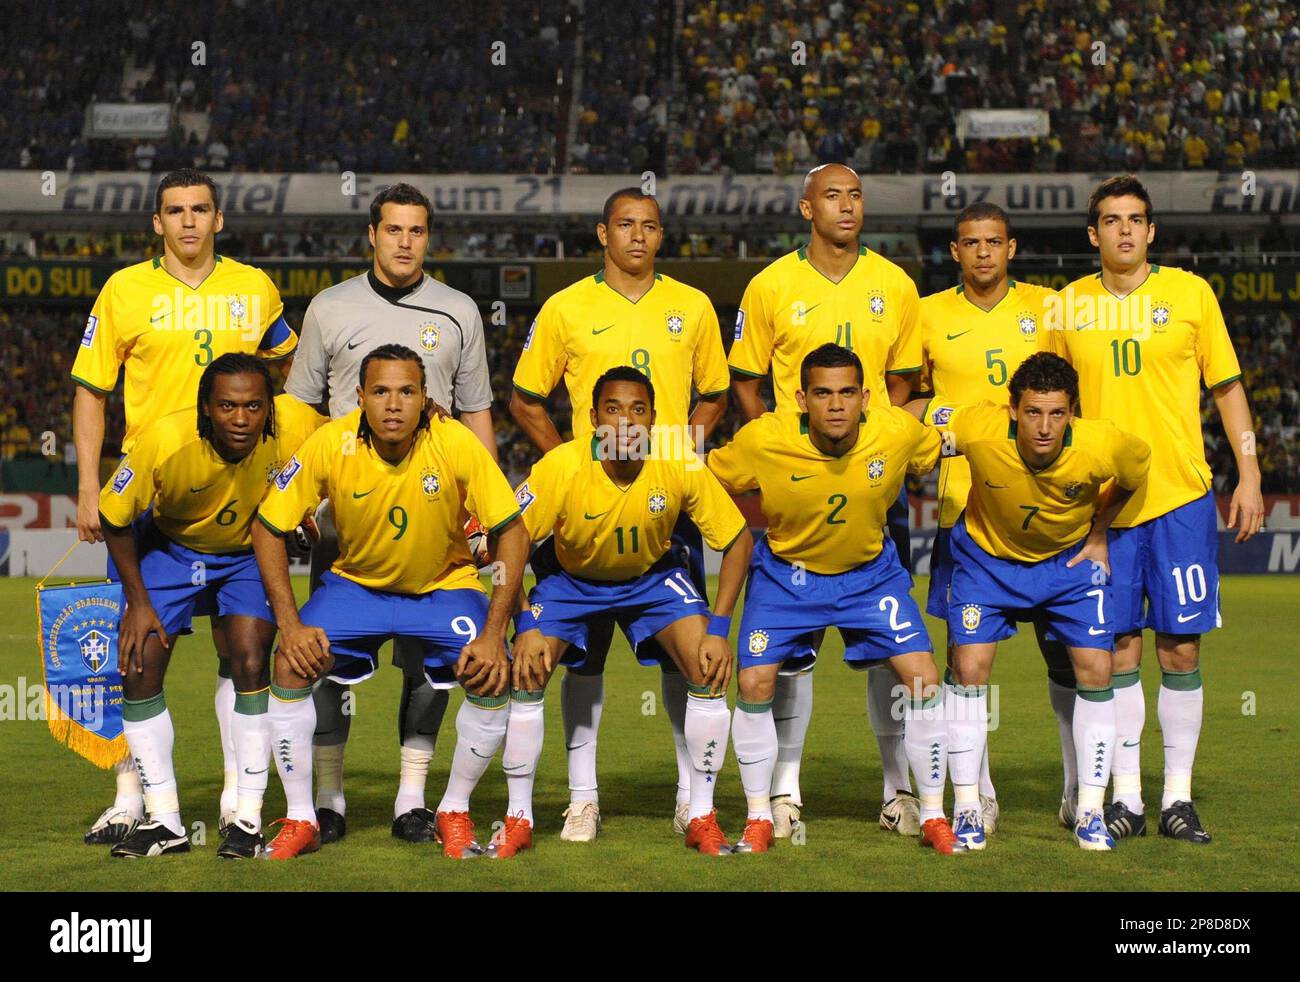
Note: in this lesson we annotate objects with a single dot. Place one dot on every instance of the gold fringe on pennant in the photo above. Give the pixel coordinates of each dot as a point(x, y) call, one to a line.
point(71, 734)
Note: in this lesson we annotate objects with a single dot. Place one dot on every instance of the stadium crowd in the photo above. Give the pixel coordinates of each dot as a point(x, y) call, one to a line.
point(748, 86)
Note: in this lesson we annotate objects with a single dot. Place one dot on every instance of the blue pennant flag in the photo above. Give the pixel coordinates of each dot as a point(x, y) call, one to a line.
point(83, 689)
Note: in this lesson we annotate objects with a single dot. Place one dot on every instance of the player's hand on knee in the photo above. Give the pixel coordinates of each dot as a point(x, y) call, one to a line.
point(139, 621)
point(715, 663)
point(306, 649)
point(483, 667)
point(530, 667)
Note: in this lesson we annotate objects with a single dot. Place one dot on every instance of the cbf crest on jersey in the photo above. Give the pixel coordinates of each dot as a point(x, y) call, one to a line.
point(1028, 324)
point(1161, 313)
point(758, 642)
point(1073, 489)
point(876, 467)
point(675, 321)
point(238, 308)
point(876, 304)
point(429, 482)
point(657, 501)
point(83, 690)
point(272, 469)
point(429, 336)
point(970, 617)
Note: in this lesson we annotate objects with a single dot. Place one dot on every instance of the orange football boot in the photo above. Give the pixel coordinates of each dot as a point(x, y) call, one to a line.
point(456, 833)
point(705, 835)
point(515, 835)
point(938, 834)
point(295, 838)
point(757, 838)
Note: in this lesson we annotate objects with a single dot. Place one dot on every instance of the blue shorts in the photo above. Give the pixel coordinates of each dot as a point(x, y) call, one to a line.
point(1171, 562)
point(566, 605)
point(785, 606)
point(936, 600)
point(358, 620)
point(184, 583)
point(989, 595)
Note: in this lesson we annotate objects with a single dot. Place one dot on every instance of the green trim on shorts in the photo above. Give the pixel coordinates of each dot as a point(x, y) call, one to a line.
point(253, 703)
point(1181, 681)
point(1096, 695)
point(139, 710)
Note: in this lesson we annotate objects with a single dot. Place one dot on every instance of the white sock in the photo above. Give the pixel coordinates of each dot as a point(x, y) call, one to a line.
point(966, 709)
point(1130, 717)
point(1180, 708)
point(524, 733)
point(707, 725)
point(292, 718)
point(1094, 743)
point(1062, 700)
point(791, 713)
point(753, 733)
point(251, 732)
point(889, 731)
point(423, 707)
point(327, 760)
point(224, 703)
point(582, 697)
point(151, 739)
point(672, 686)
point(479, 733)
point(925, 739)
point(130, 794)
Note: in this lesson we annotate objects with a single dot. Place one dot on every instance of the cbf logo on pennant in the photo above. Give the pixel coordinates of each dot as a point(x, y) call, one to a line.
point(94, 650)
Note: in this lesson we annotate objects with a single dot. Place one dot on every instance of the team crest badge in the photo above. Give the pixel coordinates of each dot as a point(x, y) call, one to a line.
point(94, 650)
point(675, 323)
point(535, 609)
point(657, 501)
point(1028, 325)
point(758, 642)
point(876, 467)
point(970, 617)
point(238, 308)
point(1160, 315)
point(429, 483)
point(876, 303)
point(271, 471)
point(429, 337)
point(1073, 489)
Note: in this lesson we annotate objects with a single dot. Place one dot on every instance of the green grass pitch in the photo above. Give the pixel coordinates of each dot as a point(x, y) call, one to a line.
point(1244, 784)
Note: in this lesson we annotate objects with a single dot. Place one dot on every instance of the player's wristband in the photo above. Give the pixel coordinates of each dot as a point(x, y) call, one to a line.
point(719, 626)
point(525, 620)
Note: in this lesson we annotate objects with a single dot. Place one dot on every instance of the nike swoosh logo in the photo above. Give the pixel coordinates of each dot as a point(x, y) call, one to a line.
point(899, 639)
point(262, 771)
point(420, 732)
point(809, 310)
point(954, 337)
point(197, 490)
point(479, 755)
point(996, 487)
point(576, 746)
point(516, 767)
point(954, 753)
point(358, 344)
point(782, 719)
point(362, 494)
point(601, 330)
point(1080, 327)
point(746, 763)
point(155, 320)
point(1133, 744)
point(1094, 632)
point(804, 478)
point(1184, 620)
point(592, 518)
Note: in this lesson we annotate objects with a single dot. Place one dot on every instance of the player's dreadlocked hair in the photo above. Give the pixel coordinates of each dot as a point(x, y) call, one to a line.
point(235, 363)
point(1118, 186)
point(622, 373)
point(828, 356)
point(392, 352)
point(1045, 372)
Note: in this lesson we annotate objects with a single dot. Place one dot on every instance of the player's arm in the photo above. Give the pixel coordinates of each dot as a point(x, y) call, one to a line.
point(529, 411)
point(472, 385)
point(710, 377)
point(903, 363)
point(1247, 501)
point(745, 388)
point(1131, 463)
point(541, 365)
point(479, 422)
point(278, 340)
point(140, 619)
point(750, 357)
point(308, 378)
point(88, 438)
point(733, 463)
point(900, 385)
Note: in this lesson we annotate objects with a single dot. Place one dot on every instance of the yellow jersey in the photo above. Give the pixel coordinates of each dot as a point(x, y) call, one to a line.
point(790, 308)
point(604, 531)
point(968, 354)
point(1016, 512)
point(200, 500)
point(827, 513)
point(671, 335)
point(400, 526)
point(1141, 362)
point(165, 333)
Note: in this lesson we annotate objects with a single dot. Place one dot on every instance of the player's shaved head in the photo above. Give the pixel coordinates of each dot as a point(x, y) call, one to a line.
point(832, 202)
point(824, 174)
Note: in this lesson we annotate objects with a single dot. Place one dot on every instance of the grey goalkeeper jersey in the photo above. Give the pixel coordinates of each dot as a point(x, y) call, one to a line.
point(350, 319)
